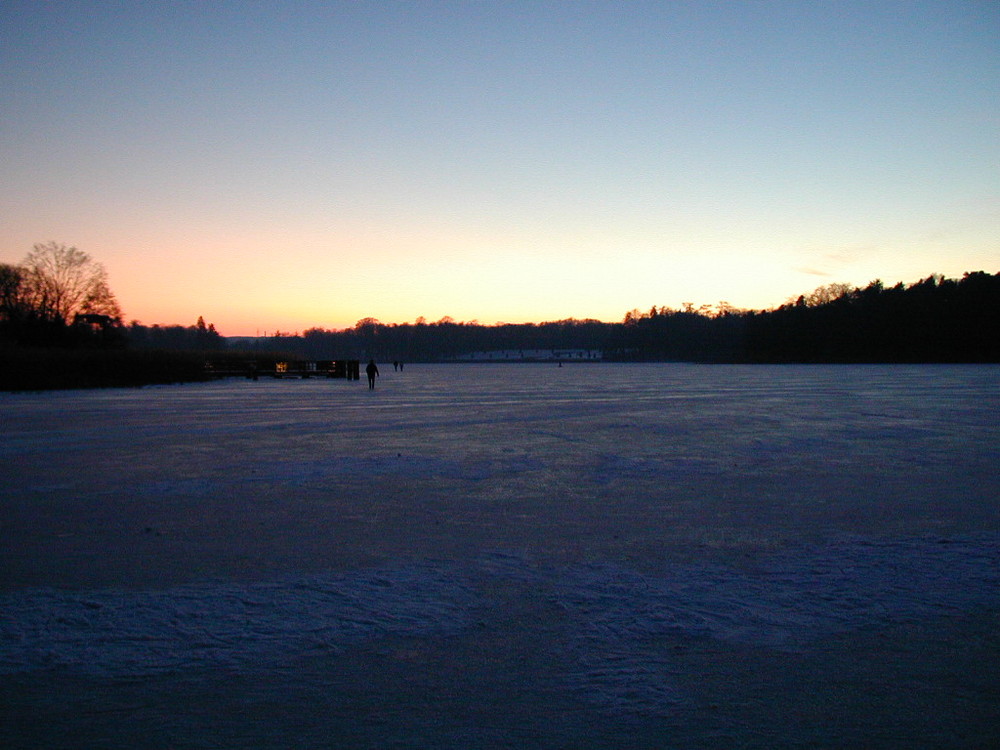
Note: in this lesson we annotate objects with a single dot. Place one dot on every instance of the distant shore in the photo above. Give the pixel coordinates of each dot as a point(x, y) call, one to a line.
point(37, 369)
point(45, 369)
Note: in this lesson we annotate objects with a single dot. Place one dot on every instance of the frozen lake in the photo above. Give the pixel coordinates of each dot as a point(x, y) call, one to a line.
point(506, 556)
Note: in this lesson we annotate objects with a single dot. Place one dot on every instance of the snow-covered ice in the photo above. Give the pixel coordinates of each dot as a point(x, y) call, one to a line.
point(506, 555)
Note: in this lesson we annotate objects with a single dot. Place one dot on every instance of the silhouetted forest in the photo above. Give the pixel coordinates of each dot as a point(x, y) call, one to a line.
point(200, 337)
point(933, 320)
point(440, 341)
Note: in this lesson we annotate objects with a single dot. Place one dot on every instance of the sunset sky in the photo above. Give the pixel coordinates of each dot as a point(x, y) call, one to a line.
point(287, 165)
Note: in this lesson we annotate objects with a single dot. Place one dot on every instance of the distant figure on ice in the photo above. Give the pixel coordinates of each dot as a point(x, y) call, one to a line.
point(395, 366)
point(372, 371)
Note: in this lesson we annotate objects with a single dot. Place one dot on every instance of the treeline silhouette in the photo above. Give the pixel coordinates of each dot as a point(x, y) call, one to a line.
point(933, 320)
point(94, 351)
point(199, 337)
point(440, 341)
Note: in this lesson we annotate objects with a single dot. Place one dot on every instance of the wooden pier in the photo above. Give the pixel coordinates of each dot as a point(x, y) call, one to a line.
point(344, 369)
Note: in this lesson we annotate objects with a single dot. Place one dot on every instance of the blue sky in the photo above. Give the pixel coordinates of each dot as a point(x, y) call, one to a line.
point(287, 165)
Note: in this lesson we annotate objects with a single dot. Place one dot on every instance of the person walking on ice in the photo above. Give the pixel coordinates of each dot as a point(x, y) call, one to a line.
point(372, 371)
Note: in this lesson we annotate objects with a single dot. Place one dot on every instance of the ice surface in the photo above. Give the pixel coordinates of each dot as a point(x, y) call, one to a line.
point(611, 539)
point(116, 633)
point(617, 622)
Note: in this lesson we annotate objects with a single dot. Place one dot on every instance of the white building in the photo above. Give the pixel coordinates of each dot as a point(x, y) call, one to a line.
point(533, 355)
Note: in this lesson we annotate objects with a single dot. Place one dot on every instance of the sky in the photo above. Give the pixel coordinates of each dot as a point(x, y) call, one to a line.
point(279, 166)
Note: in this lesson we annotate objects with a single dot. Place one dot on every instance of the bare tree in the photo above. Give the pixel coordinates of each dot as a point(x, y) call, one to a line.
point(826, 294)
point(12, 292)
point(62, 282)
